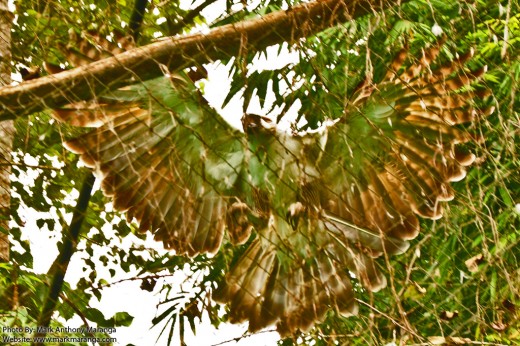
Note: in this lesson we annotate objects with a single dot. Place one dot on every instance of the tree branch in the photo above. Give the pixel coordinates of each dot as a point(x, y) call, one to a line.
point(137, 18)
point(60, 265)
point(6, 132)
point(189, 18)
point(86, 82)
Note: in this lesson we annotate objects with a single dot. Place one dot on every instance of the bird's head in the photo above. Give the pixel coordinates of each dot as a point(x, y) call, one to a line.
point(254, 123)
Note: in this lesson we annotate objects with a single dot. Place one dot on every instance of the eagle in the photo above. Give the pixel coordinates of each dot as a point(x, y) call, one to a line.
point(313, 209)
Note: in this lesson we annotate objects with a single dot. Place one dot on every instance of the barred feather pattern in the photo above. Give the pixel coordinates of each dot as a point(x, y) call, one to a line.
point(154, 154)
point(388, 160)
point(323, 205)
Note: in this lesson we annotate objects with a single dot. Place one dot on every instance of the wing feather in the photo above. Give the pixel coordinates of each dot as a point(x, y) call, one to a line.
point(401, 142)
point(324, 205)
point(291, 277)
point(168, 160)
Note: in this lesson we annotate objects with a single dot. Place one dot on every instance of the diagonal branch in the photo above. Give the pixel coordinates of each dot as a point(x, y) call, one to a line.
point(60, 265)
point(189, 18)
point(179, 52)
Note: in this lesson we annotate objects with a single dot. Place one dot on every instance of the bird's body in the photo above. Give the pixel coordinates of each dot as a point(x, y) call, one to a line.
point(316, 208)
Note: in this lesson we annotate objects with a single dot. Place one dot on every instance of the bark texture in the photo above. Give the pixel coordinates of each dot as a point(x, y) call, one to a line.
point(143, 63)
point(6, 132)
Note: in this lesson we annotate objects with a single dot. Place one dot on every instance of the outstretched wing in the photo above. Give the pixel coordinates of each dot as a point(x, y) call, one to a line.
point(324, 204)
point(388, 160)
point(166, 160)
point(164, 155)
point(395, 152)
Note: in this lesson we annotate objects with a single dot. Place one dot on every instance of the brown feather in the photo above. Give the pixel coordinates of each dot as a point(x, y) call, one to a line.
point(326, 205)
point(238, 225)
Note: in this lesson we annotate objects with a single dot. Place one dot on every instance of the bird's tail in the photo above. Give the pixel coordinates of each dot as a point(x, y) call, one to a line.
point(291, 276)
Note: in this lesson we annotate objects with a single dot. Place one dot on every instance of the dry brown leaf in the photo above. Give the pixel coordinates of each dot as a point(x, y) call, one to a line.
point(473, 262)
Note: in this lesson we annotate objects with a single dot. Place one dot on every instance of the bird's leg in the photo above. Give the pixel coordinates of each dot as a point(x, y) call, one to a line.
point(294, 212)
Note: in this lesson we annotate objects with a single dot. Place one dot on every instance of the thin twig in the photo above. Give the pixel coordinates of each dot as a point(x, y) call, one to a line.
point(30, 166)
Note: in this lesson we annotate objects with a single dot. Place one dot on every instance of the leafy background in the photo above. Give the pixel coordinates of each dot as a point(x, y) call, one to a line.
point(459, 279)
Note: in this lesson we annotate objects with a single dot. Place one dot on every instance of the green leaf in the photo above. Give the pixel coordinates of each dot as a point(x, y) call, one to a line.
point(162, 316)
point(97, 316)
point(122, 319)
point(506, 198)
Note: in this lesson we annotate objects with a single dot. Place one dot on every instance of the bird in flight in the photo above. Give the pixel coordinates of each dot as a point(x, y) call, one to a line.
point(315, 209)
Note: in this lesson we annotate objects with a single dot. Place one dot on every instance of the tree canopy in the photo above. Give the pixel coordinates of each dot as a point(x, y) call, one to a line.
point(457, 283)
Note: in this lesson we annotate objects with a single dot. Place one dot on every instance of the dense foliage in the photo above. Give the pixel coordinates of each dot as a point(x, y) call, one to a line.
point(459, 279)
